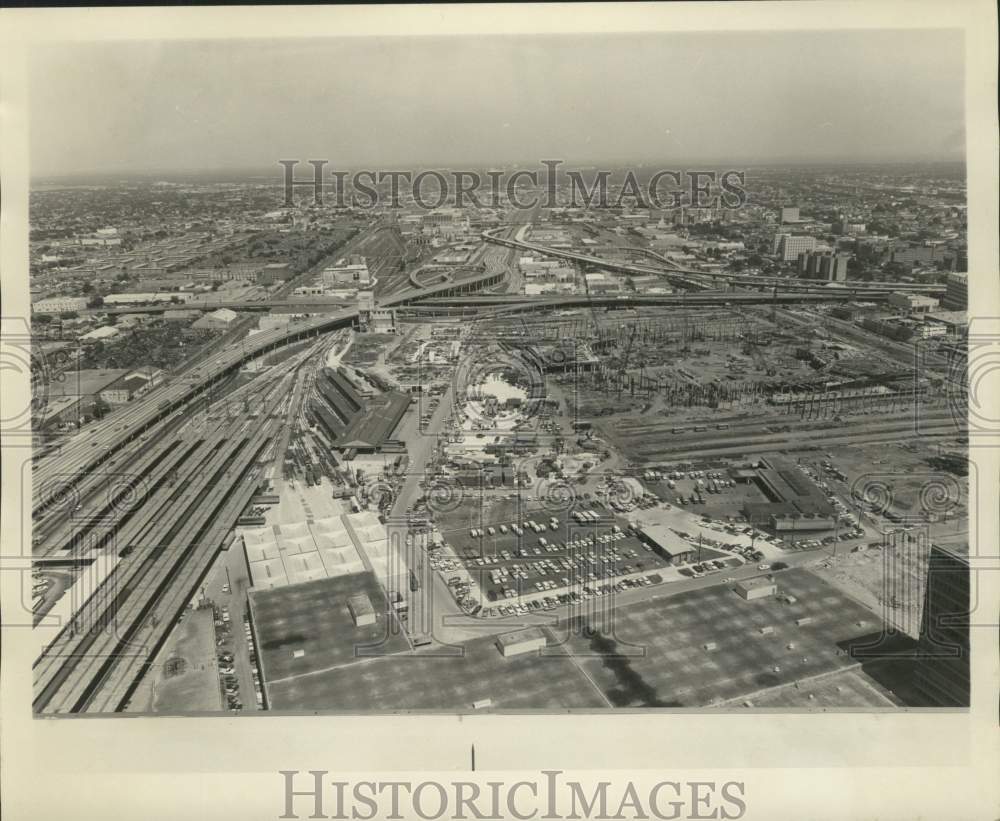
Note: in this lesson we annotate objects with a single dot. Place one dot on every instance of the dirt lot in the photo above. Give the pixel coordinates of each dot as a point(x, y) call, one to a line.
point(187, 677)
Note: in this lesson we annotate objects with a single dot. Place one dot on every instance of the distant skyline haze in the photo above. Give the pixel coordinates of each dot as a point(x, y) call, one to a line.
point(175, 106)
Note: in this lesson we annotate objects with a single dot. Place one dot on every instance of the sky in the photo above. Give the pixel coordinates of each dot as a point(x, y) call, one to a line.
point(157, 106)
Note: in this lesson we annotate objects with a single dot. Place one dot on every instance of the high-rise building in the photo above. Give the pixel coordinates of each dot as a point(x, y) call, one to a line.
point(956, 295)
point(788, 246)
point(943, 671)
point(790, 214)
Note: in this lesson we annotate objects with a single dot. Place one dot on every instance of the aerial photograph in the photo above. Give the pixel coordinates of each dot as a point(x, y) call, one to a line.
point(499, 374)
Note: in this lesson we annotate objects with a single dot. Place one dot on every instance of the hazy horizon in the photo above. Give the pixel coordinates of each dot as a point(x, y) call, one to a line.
point(796, 98)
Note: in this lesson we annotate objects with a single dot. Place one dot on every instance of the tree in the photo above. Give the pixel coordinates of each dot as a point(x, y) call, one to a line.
point(96, 301)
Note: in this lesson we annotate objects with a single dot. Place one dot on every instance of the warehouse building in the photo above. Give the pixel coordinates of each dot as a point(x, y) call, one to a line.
point(59, 305)
point(352, 422)
point(218, 320)
point(665, 543)
point(793, 502)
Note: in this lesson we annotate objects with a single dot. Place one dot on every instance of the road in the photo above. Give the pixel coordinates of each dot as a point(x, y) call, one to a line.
point(426, 611)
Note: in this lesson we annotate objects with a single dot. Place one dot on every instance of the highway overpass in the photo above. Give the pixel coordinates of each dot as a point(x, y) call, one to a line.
point(701, 280)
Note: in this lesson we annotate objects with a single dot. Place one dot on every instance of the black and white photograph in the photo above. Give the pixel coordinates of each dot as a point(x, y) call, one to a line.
point(536, 373)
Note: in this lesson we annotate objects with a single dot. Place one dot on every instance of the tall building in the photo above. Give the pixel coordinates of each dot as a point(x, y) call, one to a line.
point(956, 295)
point(790, 214)
point(788, 246)
point(943, 671)
point(824, 265)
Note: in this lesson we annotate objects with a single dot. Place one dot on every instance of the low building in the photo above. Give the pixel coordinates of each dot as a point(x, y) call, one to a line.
point(78, 396)
point(183, 316)
point(912, 303)
point(665, 543)
point(101, 334)
point(59, 305)
point(219, 320)
point(756, 589)
point(383, 321)
point(361, 610)
point(523, 641)
point(953, 322)
point(352, 271)
point(793, 502)
point(274, 272)
point(147, 298)
point(124, 390)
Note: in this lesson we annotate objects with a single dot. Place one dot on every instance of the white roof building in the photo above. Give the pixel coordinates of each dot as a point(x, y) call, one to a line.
point(104, 332)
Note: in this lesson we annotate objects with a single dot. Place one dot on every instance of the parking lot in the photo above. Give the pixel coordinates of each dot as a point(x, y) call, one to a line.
point(508, 565)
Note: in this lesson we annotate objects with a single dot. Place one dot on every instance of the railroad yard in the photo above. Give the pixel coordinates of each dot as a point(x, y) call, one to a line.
point(584, 482)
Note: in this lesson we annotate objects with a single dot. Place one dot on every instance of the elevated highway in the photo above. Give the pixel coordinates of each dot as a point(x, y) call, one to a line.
point(702, 280)
point(511, 303)
point(59, 468)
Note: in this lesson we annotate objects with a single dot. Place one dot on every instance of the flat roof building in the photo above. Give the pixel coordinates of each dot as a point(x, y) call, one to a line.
point(59, 305)
point(787, 247)
point(665, 542)
point(361, 610)
point(751, 589)
point(912, 303)
point(523, 641)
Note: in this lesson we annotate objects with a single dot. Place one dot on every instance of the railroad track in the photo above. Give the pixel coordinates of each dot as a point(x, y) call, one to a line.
point(95, 662)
